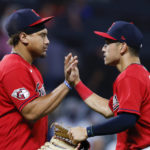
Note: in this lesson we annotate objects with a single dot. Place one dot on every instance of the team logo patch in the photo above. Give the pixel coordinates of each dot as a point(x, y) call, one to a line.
point(115, 103)
point(21, 94)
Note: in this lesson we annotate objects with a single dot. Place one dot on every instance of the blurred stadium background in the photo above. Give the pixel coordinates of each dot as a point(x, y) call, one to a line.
point(72, 31)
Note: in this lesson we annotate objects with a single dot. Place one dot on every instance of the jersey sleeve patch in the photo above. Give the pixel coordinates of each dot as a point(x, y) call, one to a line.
point(21, 94)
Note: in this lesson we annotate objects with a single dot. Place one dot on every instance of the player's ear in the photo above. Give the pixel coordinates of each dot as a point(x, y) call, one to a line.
point(23, 38)
point(123, 48)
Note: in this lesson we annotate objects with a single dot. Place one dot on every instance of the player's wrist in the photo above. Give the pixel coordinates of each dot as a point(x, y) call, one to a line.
point(82, 90)
point(68, 84)
point(76, 81)
point(89, 131)
point(86, 133)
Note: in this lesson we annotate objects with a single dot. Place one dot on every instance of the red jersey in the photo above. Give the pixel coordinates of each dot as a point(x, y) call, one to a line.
point(20, 83)
point(131, 94)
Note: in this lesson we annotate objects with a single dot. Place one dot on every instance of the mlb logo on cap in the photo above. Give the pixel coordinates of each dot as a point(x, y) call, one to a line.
point(122, 31)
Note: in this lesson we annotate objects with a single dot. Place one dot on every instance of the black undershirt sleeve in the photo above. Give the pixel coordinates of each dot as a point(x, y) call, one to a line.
point(114, 125)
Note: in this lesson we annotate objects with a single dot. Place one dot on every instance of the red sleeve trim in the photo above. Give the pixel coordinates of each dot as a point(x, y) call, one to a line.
point(110, 106)
point(129, 111)
point(27, 101)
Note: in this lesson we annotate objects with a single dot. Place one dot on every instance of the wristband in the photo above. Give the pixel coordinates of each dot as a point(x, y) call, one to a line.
point(67, 84)
point(89, 131)
point(83, 91)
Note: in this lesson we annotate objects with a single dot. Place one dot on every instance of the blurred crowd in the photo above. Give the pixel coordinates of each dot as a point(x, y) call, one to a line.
point(72, 31)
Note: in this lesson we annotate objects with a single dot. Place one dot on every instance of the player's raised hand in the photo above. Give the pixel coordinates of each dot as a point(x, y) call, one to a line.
point(70, 69)
point(67, 63)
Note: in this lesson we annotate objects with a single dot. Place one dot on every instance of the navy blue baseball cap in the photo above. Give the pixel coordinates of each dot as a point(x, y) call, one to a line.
point(123, 31)
point(25, 20)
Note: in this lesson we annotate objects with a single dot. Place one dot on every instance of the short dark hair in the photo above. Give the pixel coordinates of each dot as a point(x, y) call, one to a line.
point(14, 39)
point(134, 51)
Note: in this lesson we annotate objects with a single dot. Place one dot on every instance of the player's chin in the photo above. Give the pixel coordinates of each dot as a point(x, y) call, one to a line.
point(106, 62)
point(43, 55)
point(111, 63)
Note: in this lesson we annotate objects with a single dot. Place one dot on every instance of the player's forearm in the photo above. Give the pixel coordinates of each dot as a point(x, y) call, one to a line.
point(43, 105)
point(56, 97)
point(114, 125)
point(99, 105)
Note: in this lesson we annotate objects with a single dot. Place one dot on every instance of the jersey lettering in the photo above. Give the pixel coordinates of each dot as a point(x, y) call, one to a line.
point(40, 91)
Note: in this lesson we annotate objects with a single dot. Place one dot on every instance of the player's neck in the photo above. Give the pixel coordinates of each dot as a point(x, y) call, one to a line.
point(23, 52)
point(124, 63)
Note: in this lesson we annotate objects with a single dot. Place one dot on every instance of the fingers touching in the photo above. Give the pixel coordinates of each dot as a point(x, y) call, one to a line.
point(70, 61)
point(71, 70)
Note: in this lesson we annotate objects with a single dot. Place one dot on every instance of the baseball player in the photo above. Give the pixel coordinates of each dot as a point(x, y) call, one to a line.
point(24, 105)
point(130, 103)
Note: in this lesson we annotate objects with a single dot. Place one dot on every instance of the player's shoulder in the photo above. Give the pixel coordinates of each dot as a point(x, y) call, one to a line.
point(11, 62)
point(136, 71)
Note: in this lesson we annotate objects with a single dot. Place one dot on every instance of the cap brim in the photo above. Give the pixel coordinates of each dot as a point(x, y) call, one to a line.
point(105, 35)
point(42, 20)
